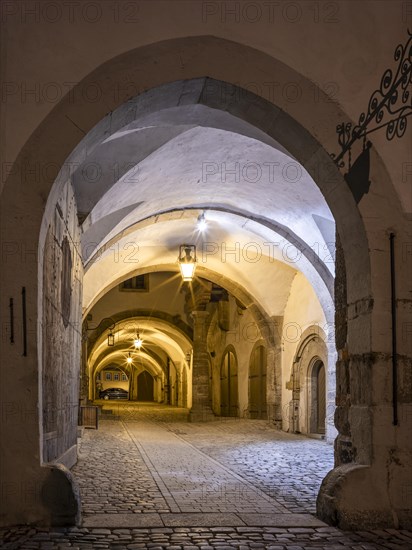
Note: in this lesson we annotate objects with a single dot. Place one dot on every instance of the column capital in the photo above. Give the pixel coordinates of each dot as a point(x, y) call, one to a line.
point(199, 314)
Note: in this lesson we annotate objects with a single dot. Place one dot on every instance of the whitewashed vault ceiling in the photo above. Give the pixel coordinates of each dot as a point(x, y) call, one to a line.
point(144, 174)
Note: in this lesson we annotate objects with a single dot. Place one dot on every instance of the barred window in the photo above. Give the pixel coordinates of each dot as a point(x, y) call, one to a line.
point(135, 284)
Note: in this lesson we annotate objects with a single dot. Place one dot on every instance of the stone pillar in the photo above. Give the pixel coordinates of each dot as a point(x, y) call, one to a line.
point(274, 388)
point(344, 451)
point(272, 334)
point(201, 410)
point(84, 382)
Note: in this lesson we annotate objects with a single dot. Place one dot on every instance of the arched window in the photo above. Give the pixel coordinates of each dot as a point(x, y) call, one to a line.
point(229, 385)
point(257, 383)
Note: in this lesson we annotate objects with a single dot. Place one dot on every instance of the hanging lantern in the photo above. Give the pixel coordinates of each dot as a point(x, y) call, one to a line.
point(110, 339)
point(138, 341)
point(187, 261)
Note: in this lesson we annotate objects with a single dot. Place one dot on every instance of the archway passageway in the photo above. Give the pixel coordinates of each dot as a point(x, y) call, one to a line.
point(265, 264)
point(265, 261)
point(249, 187)
point(222, 345)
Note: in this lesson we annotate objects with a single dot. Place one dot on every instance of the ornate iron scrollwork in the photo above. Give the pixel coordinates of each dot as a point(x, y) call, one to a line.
point(388, 107)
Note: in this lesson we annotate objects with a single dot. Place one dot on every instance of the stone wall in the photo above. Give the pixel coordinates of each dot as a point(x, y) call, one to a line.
point(161, 287)
point(343, 443)
point(238, 332)
point(62, 280)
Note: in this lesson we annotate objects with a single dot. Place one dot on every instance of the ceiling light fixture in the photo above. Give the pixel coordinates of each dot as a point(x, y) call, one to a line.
point(201, 223)
point(138, 341)
point(187, 261)
point(129, 359)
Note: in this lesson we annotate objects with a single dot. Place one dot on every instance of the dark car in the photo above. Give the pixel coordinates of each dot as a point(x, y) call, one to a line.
point(114, 393)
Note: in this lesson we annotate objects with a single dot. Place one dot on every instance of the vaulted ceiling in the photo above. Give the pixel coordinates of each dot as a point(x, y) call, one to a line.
point(147, 171)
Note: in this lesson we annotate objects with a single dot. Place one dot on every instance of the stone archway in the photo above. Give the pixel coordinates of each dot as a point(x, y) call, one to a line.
point(311, 351)
point(51, 143)
point(166, 341)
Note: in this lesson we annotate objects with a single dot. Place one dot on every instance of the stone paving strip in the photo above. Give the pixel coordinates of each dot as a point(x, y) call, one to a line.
point(287, 467)
point(214, 538)
point(112, 475)
point(195, 481)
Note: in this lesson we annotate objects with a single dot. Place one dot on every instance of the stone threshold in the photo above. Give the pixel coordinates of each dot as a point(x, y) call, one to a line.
point(201, 520)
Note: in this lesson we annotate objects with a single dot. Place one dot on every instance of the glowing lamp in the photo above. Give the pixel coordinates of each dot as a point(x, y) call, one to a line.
point(201, 223)
point(187, 261)
point(138, 341)
point(110, 339)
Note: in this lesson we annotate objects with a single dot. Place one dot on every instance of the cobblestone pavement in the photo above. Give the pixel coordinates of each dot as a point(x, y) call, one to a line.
point(112, 475)
point(149, 479)
point(146, 459)
point(287, 467)
point(218, 538)
point(195, 481)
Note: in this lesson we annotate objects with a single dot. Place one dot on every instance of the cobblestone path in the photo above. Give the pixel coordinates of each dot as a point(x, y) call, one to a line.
point(287, 467)
point(141, 463)
point(148, 479)
point(203, 538)
point(195, 481)
point(112, 476)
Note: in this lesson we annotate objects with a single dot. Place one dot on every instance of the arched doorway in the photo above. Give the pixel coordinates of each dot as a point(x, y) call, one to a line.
point(308, 386)
point(229, 398)
point(318, 398)
point(257, 383)
point(145, 387)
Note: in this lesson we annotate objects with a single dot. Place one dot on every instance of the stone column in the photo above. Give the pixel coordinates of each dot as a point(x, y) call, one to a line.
point(84, 385)
point(201, 410)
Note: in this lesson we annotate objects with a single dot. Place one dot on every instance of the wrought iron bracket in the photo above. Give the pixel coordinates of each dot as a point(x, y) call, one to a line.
point(388, 107)
point(107, 323)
